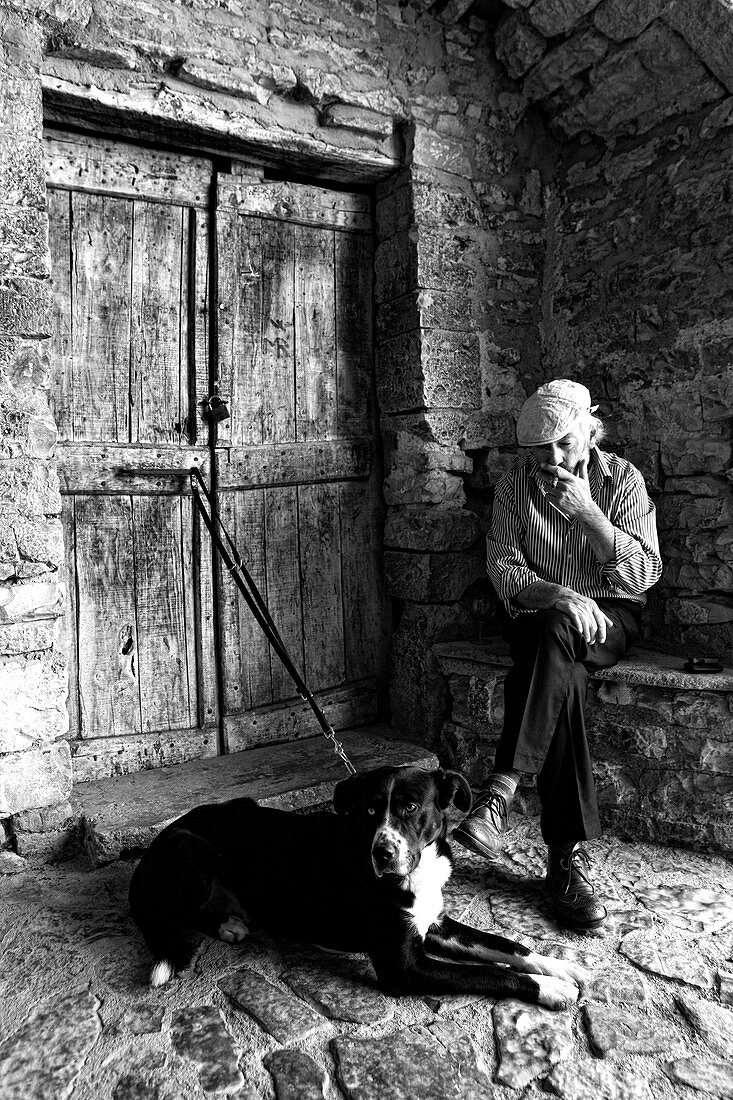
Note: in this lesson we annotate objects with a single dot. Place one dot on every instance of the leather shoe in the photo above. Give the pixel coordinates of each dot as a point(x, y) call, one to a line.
point(572, 896)
point(482, 830)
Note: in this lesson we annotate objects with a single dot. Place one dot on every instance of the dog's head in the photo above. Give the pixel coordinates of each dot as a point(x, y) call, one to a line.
point(400, 811)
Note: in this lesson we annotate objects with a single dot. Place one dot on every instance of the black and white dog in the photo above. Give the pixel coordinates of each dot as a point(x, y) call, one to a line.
point(368, 878)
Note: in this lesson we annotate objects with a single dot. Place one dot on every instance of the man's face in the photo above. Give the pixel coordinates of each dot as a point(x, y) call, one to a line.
point(568, 452)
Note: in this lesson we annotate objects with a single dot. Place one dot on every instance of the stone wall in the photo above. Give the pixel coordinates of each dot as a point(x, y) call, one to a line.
point(35, 764)
point(639, 284)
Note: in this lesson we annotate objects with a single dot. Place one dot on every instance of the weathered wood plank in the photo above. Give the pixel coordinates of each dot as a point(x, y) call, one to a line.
point(250, 540)
point(96, 468)
point(109, 695)
point(67, 630)
point(365, 612)
point(100, 260)
point(235, 686)
point(298, 202)
point(293, 464)
point(353, 705)
point(199, 274)
point(161, 619)
point(277, 356)
point(62, 375)
point(320, 566)
point(158, 363)
point(105, 757)
point(354, 356)
point(85, 163)
point(240, 322)
point(283, 583)
point(315, 338)
point(206, 647)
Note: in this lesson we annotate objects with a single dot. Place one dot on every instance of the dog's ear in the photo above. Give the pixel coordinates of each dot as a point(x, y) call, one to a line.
point(346, 794)
point(454, 792)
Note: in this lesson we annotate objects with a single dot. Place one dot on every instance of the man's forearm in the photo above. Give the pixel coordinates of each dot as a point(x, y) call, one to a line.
point(542, 595)
point(599, 533)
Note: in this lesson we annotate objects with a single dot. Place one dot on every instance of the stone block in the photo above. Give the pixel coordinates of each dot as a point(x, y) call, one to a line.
point(619, 20)
point(37, 777)
point(23, 603)
point(518, 45)
point(426, 578)
point(552, 17)
point(395, 267)
point(357, 118)
point(398, 316)
point(443, 208)
point(472, 429)
point(394, 212)
point(433, 528)
point(451, 369)
point(446, 260)
point(400, 381)
point(23, 243)
point(26, 638)
point(33, 693)
point(430, 150)
point(44, 819)
point(20, 104)
point(22, 174)
point(563, 62)
point(232, 79)
point(25, 307)
point(40, 540)
point(706, 25)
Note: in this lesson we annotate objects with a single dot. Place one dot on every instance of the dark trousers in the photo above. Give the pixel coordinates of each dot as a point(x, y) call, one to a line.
point(544, 720)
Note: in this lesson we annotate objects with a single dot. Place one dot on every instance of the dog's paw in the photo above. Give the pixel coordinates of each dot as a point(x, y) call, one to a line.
point(233, 930)
point(556, 993)
point(558, 968)
point(161, 973)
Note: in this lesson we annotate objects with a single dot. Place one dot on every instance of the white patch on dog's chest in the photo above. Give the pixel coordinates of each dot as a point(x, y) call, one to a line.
point(426, 882)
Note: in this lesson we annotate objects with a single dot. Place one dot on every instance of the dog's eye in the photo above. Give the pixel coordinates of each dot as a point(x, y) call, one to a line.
point(410, 807)
point(371, 810)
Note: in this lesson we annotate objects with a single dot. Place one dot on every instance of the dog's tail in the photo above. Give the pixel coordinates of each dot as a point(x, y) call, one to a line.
point(168, 943)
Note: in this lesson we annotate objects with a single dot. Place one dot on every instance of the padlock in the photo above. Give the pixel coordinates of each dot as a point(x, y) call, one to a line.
point(215, 409)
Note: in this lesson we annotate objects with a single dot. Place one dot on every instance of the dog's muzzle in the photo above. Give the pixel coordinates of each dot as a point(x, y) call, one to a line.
point(391, 854)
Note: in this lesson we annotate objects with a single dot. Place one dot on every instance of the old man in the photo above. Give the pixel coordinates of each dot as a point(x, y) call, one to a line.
point(571, 553)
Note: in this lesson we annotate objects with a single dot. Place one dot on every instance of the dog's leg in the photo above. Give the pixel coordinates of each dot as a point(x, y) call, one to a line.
point(416, 973)
point(449, 939)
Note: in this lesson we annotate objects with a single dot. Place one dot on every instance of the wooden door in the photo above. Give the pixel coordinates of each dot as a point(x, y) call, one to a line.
point(129, 233)
point(297, 470)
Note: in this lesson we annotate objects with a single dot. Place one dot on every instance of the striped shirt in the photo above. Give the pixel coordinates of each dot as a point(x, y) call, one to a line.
point(530, 540)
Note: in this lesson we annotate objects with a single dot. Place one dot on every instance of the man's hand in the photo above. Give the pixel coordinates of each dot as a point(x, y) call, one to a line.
point(569, 492)
point(585, 615)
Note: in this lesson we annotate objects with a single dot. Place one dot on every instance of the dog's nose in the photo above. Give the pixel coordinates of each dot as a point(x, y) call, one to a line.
point(383, 851)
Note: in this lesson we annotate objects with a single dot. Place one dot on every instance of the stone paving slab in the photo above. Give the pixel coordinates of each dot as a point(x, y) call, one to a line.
point(79, 1022)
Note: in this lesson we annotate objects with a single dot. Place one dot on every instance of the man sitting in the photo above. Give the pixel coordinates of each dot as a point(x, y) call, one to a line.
point(572, 549)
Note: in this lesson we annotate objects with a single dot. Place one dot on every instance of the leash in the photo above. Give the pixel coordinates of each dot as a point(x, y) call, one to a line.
point(253, 598)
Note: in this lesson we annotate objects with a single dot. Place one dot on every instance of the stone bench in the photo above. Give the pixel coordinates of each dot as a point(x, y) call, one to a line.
point(661, 740)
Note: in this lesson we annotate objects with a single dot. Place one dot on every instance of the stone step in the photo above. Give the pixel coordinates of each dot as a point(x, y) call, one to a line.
point(643, 665)
point(125, 813)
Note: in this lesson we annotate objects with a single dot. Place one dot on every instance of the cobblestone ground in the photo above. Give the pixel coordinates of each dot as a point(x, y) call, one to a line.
point(270, 1019)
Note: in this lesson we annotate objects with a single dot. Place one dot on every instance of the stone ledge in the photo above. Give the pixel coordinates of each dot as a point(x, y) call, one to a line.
point(645, 666)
